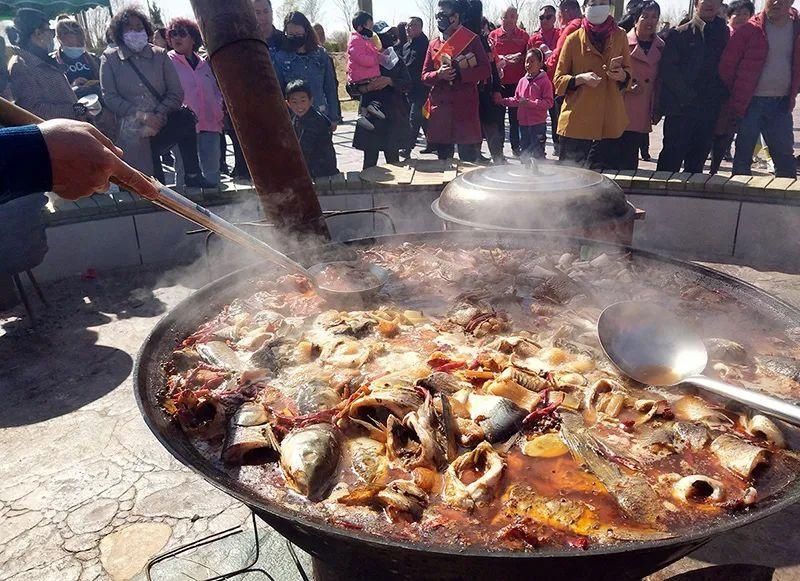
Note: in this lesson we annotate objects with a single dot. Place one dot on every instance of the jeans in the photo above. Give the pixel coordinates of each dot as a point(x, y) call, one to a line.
point(532, 139)
point(208, 147)
point(720, 147)
point(687, 142)
point(772, 118)
point(513, 124)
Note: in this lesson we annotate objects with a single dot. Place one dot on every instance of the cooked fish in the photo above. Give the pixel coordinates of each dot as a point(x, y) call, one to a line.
point(484, 461)
point(250, 439)
point(698, 488)
point(633, 493)
point(316, 395)
point(218, 354)
point(763, 427)
point(737, 455)
point(442, 382)
point(689, 435)
point(779, 365)
point(499, 417)
point(309, 457)
point(725, 350)
point(568, 515)
point(401, 499)
point(367, 458)
point(393, 394)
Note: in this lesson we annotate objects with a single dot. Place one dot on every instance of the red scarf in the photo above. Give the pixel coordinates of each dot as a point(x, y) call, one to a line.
point(599, 33)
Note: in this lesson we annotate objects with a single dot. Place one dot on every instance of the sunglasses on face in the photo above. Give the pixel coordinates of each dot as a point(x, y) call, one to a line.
point(547, 17)
point(178, 32)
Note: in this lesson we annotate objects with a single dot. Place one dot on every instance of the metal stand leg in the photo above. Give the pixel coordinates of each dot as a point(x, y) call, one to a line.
point(37, 288)
point(22, 295)
point(211, 539)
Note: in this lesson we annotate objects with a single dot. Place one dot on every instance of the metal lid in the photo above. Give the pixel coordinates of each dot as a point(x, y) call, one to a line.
point(515, 197)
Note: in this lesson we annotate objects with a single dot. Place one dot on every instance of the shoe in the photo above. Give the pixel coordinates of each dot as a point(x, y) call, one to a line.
point(374, 110)
point(556, 149)
point(483, 160)
point(364, 123)
point(198, 181)
point(646, 157)
point(428, 149)
point(240, 173)
point(499, 160)
point(405, 153)
point(516, 151)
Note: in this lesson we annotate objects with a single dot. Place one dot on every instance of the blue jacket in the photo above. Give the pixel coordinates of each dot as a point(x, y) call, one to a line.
point(316, 69)
point(24, 163)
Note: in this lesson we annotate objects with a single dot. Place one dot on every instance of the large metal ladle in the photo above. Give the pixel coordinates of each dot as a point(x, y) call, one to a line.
point(651, 345)
point(164, 197)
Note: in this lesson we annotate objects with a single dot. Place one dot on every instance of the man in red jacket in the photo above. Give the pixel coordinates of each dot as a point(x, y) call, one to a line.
point(509, 43)
point(761, 68)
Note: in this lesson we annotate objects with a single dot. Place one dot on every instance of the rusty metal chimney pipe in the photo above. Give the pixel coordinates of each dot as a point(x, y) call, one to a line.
point(255, 102)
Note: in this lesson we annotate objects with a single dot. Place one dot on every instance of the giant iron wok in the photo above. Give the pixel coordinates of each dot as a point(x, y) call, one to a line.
point(354, 554)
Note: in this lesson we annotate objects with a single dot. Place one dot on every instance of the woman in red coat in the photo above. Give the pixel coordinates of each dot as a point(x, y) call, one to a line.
point(454, 65)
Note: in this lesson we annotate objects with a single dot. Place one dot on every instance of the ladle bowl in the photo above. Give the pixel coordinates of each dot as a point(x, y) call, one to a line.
point(651, 345)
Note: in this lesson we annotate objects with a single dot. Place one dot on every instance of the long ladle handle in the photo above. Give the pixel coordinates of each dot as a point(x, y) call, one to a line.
point(176, 203)
point(11, 116)
point(764, 403)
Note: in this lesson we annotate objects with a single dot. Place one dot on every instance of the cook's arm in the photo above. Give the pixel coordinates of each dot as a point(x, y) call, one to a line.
point(24, 163)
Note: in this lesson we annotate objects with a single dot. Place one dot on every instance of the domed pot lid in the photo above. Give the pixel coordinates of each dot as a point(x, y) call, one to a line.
point(517, 197)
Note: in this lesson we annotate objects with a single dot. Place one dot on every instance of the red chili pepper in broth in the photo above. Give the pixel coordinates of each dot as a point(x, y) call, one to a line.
point(452, 366)
point(543, 411)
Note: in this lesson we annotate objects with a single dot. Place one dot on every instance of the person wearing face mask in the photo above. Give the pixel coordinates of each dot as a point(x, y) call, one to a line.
point(82, 70)
point(455, 64)
point(645, 47)
point(36, 80)
point(593, 71)
point(302, 58)
point(140, 85)
point(692, 92)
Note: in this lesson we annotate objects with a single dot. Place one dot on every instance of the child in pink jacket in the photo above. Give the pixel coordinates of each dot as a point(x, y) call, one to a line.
point(363, 65)
point(533, 98)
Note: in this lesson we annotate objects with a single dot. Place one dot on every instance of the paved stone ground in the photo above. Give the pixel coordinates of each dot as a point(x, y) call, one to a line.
point(86, 492)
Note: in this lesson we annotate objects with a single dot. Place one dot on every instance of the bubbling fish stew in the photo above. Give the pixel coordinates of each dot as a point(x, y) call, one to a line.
point(470, 402)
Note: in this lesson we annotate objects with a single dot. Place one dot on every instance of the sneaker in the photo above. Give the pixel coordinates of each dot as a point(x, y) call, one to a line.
point(405, 153)
point(499, 160)
point(516, 151)
point(428, 149)
point(374, 110)
point(483, 160)
point(646, 156)
point(364, 123)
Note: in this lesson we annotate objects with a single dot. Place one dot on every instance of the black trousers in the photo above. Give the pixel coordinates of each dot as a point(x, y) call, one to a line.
point(175, 133)
point(417, 121)
point(371, 157)
point(513, 124)
point(466, 151)
point(628, 146)
point(588, 153)
point(720, 147)
point(687, 142)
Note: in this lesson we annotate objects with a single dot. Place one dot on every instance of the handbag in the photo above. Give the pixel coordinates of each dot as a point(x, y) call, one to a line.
point(183, 117)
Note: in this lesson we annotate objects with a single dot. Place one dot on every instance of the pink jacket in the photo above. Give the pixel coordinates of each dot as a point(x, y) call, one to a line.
point(363, 58)
point(200, 92)
point(644, 72)
point(538, 93)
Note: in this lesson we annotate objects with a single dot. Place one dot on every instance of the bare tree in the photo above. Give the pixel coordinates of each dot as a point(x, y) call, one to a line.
point(155, 14)
point(347, 9)
point(312, 9)
point(427, 10)
point(287, 6)
point(96, 24)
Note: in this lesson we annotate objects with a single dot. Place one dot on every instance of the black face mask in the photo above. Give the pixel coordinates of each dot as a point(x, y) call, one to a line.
point(366, 33)
point(443, 23)
point(296, 42)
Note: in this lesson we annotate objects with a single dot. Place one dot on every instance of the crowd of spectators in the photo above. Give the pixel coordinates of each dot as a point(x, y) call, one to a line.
point(725, 76)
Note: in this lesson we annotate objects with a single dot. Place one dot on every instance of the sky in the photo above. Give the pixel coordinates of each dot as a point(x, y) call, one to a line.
point(392, 11)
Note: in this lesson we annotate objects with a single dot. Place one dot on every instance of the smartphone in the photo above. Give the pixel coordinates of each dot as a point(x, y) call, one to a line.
point(616, 63)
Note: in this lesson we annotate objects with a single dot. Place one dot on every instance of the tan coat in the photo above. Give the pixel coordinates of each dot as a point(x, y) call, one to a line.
point(125, 94)
point(40, 86)
point(591, 112)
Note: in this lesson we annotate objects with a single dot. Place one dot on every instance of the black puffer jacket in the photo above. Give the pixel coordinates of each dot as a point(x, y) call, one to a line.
point(314, 134)
point(689, 70)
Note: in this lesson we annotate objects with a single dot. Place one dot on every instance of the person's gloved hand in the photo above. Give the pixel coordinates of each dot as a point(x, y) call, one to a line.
point(81, 158)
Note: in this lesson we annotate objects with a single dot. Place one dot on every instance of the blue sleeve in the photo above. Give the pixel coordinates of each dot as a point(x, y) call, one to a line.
point(331, 91)
point(24, 163)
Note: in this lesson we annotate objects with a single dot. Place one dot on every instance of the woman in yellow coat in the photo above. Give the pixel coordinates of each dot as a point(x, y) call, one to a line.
point(593, 70)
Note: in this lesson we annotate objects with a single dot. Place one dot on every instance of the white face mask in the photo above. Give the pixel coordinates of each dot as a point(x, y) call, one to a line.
point(598, 14)
point(135, 41)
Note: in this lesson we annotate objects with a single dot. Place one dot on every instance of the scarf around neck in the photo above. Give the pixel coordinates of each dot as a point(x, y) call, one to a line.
point(599, 33)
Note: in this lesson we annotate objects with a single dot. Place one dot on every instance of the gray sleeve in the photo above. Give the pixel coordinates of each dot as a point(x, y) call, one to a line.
point(173, 98)
point(111, 97)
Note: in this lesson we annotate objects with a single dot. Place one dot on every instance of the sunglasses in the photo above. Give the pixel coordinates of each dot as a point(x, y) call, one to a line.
point(178, 32)
point(547, 17)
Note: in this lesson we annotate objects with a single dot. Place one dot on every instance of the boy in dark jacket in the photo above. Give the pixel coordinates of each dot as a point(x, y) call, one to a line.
point(313, 130)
